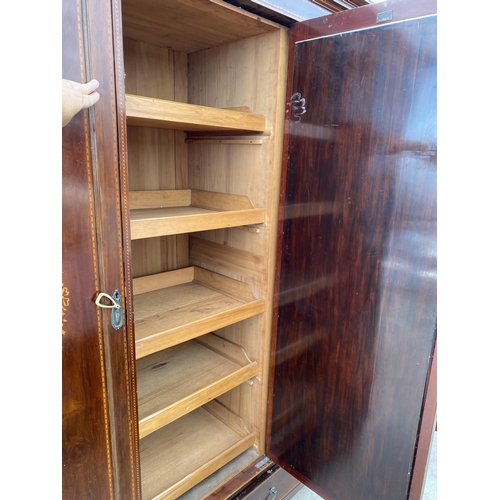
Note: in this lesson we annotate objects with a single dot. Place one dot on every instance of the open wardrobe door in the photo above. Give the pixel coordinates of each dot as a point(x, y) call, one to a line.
point(99, 441)
point(355, 297)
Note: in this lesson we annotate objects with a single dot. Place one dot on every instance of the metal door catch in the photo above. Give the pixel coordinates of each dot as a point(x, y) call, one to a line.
point(116, 305)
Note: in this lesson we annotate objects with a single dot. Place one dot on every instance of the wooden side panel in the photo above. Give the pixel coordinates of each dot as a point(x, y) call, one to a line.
point(113, 236)
point(157, 157)
point(356, 295)
point(249, 73)
point(100, 444)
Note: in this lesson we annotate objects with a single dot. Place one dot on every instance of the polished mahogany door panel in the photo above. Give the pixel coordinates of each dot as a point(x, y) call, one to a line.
point(86, 460)
point(99, 429)
point(356, 276)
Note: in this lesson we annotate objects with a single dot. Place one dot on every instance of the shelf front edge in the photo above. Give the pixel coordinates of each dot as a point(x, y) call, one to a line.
point(167, 226)
point(176, 410)
point(163, 340)
point(150, 112)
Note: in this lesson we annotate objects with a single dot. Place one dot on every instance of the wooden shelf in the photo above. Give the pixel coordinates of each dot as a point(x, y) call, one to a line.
point(176, 306)
point(175, 381)
point(149, 112)
point(183, 453)
point(180, 211)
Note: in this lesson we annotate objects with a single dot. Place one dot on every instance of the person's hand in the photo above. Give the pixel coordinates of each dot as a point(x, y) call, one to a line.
point(77, 96)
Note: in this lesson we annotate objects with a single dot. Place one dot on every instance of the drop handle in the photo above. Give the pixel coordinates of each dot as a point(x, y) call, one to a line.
point(298, 104)
point(116, 306)
point(272, 493)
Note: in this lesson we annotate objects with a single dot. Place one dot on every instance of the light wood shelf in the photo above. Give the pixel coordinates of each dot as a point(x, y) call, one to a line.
point(180, 211)
point(183, 453)
point(176, 306)
point(175, 381)
point(149, 112)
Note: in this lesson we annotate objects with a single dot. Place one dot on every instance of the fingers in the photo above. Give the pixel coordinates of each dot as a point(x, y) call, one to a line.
point(89, 94)
point(90, 100)
point(77, 96)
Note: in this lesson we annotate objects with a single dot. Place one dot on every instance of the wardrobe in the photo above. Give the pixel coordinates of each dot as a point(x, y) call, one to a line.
point(249, 252)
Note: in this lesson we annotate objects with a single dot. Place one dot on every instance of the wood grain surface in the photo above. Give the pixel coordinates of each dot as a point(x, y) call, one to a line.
point(99, 429)
point(86, 459)
point(356, 293)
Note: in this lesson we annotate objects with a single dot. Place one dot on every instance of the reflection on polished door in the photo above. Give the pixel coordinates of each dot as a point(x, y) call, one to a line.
point(356, 289)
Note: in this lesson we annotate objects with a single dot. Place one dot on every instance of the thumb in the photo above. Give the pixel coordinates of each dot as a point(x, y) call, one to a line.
point(89, 87)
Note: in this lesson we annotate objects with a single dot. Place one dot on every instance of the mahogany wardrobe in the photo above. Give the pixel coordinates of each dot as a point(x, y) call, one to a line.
point(249, 252)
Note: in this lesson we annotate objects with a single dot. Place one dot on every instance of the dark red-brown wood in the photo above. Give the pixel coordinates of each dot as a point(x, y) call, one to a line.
point(99, 424)
point(356, 277)
point(86, 460)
